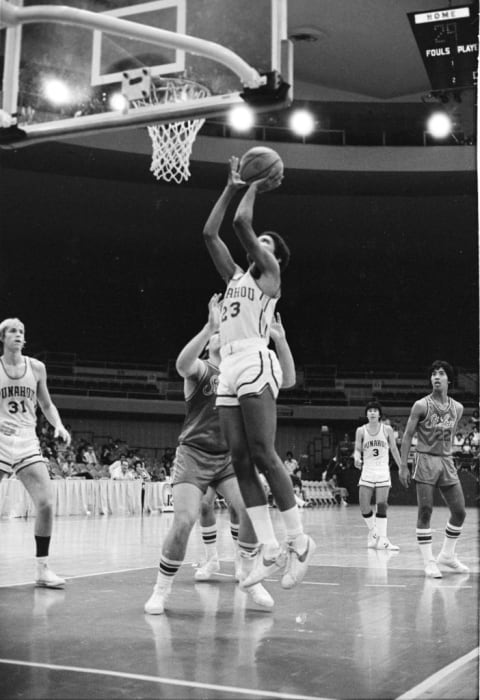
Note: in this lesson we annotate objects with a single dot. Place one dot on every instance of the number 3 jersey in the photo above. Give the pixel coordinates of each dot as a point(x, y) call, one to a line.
point(18, 396)
point(375, 448)
point(246, 311)
point(436, 431)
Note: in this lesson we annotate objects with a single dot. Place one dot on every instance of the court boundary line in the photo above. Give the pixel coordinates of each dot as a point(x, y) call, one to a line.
point(164, 681)
point(429, 682)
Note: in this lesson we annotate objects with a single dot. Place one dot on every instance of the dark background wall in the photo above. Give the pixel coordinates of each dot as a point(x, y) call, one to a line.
point(117, 269)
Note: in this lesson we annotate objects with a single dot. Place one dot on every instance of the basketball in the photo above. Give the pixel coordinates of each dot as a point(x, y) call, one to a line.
point(258, 163)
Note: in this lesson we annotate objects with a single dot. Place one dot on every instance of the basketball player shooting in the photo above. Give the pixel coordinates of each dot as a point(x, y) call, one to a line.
point(250, 377)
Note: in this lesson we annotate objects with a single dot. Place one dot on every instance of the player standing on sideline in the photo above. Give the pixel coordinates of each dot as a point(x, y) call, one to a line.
point(202, 460)
point(250, 379)
point(435, 418)
point(373, 441)
point(23, 383)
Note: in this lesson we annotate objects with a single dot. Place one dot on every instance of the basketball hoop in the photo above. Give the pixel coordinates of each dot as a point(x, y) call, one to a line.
point(171, 142)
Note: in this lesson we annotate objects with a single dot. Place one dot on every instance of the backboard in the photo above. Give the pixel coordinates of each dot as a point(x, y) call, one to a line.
point(65, 61)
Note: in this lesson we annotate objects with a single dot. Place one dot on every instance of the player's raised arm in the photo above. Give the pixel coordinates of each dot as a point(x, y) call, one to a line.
point(188, 363)
point(218, 250)
point(242, 224)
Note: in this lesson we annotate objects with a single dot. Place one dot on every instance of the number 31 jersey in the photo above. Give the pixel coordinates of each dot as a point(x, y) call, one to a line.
point(246, 311)
point(18, 396)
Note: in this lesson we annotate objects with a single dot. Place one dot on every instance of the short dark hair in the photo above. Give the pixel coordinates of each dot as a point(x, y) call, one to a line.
point(373, 403)
point(442, 364)
point(282, 251)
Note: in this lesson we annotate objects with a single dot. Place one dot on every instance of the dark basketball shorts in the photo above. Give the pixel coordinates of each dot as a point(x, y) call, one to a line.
point(202, 469)
point(435, 470)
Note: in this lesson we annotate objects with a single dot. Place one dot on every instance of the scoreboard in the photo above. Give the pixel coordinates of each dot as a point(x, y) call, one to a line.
point(448, 42)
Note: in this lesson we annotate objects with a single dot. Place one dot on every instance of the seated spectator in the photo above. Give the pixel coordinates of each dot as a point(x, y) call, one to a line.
point(108, 451)
point(345, 451)
point(293, 468)
point(141, 471)
point(458, 442)
point(89, 458)
point(121, 470)
point(167, 459)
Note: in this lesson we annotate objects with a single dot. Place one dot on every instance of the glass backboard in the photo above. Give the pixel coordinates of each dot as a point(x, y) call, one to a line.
point(65, 62)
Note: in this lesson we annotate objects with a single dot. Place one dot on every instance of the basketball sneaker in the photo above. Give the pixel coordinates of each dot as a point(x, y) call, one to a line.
point(371, 540)
point(451, 562)
point(265, 564)
point(205, 572)
point(432, 570)
point(260, 596)
point(383, 543)
point(299, 552)
point(155, 605)
point(46, 578)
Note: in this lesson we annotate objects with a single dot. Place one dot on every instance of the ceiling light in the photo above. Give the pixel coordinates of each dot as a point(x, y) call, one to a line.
point(56, 91)
point(241, 118)
point(302, 122)
point(439, 125)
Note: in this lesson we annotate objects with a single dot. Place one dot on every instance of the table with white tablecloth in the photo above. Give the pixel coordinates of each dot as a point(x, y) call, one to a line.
point(87, 497)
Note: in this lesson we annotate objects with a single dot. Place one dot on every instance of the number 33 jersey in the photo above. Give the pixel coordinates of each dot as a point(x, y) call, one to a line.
point(18, 396)
point(246, 311)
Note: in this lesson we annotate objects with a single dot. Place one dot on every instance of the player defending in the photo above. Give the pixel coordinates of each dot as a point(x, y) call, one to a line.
point(250, 378)
point(435, 418)
point(202, 460)
point(23, 383)
point(373, 440)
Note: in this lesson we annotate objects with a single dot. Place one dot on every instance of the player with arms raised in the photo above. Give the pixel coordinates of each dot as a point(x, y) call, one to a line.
point(250, 378)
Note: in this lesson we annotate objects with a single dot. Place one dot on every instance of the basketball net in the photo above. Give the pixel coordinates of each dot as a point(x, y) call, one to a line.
point(172, 142)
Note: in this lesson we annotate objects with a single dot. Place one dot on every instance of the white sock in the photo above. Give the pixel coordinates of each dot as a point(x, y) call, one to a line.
point(424, 540)
point(262, 524)
point(381, 525)
point(292, 521)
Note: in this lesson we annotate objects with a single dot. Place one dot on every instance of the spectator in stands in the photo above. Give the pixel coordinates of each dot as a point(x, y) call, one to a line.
point(475, 420)
point(458, 442)
point(293, 469)
point(339, 492)
point(141, 470)
point(119, 467)
point(344, 451)
point(167, 460)
point(89, 458)
point(108, 451)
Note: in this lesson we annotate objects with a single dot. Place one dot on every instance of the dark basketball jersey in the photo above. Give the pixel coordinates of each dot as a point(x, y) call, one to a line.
point(436, 431)
point(201, 427)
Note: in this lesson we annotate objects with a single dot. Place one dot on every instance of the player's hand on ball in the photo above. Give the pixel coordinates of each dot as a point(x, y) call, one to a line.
point(268, 183)
point(234, 179)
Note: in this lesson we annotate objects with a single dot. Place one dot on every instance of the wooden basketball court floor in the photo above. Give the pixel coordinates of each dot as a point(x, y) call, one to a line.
point(363, 624)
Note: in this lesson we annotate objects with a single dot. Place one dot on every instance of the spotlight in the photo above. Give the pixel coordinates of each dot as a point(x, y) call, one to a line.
point(56, 91)
point(302, 122)
point(439, 125)
point(118, 102)
point(241, 118)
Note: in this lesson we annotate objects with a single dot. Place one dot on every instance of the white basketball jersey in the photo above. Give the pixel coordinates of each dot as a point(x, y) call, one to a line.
point(246, 311)
point(375, 448)
point(18, 397)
